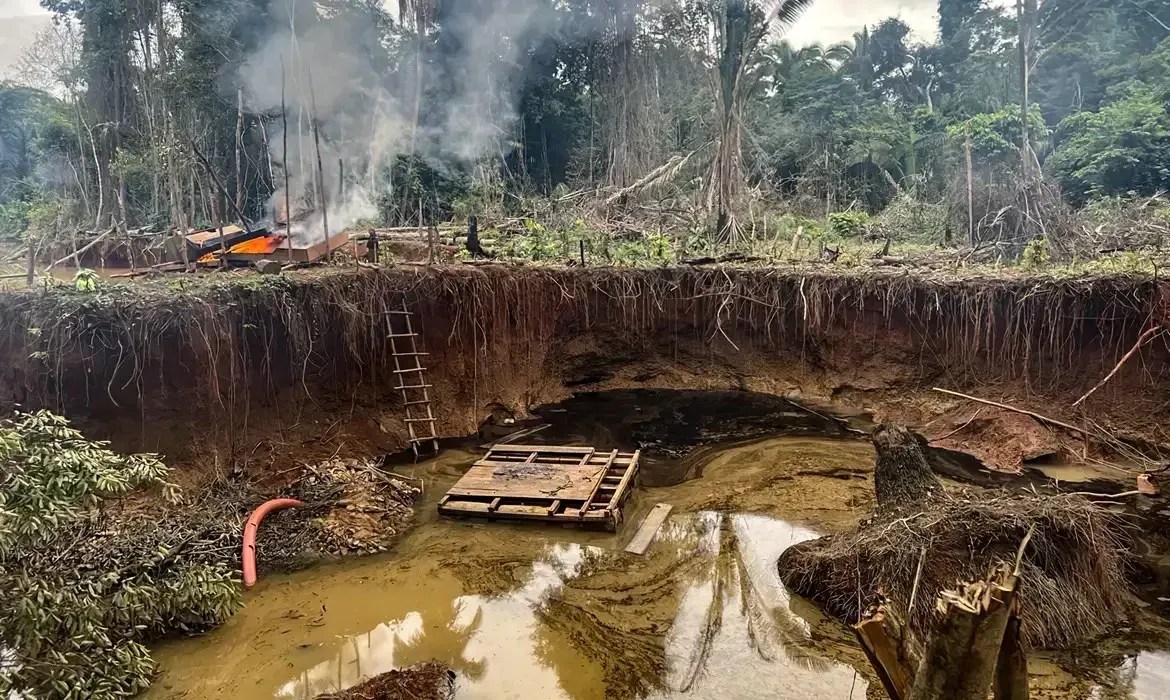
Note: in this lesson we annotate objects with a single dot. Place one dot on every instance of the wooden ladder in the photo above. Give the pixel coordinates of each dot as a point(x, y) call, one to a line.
point(412, 382)
point(613, 479)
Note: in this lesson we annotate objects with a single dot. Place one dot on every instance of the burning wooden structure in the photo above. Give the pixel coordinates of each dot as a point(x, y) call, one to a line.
point(570, 485)
point(274, 246)
point(203, 242)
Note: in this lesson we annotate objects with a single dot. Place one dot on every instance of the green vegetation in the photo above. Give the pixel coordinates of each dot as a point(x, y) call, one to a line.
point(623, 115)
point(81, 593)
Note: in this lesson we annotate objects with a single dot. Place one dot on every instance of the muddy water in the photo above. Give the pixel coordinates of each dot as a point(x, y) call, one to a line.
point(521, 611)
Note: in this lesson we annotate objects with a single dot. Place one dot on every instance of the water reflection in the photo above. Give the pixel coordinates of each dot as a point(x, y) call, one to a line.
point(491, 642)
point(1145, 676)
point(735, 633)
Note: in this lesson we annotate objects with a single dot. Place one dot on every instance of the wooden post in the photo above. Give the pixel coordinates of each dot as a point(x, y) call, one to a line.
point(30, 274)
point(323, 201)
point(219, 226)
point(239, 148)
point(432, 234)
point(970, 189)
point(581, 244)
point(284, 162)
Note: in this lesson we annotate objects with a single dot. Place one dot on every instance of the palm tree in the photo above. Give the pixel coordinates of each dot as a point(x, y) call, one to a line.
point(741, 26)
point(854, 60)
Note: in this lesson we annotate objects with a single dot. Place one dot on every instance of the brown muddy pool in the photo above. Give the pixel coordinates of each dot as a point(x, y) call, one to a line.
point(531, 611)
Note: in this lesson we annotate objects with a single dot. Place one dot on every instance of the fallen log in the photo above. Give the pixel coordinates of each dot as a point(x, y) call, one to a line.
point(77, 253)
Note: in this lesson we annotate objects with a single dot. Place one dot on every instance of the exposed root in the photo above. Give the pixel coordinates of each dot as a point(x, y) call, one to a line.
point(1074, 586)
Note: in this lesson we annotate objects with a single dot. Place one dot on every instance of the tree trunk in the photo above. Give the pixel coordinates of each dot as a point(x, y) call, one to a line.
point(961, 658)
point(902, 476)
point(239, 149)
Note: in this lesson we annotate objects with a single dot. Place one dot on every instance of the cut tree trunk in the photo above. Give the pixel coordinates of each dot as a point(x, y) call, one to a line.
point(962, 657)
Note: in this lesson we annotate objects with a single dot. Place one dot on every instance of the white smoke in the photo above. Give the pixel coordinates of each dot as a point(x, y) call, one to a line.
point(338, 64)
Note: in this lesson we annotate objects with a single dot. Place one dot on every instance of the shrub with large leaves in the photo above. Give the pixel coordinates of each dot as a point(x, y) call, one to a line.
point(83, 590)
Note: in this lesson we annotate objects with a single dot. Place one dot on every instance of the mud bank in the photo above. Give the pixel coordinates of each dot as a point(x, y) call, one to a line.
point(300, 364)
point(531, 611)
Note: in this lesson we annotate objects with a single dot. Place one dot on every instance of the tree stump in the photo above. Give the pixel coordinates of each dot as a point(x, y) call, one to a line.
point(901, 475)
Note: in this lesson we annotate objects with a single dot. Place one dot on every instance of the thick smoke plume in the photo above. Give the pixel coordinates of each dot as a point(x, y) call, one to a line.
point(375, 98)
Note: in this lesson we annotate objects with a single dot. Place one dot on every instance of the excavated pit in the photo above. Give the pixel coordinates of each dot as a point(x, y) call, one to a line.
point(255, 380)
point(562, 613)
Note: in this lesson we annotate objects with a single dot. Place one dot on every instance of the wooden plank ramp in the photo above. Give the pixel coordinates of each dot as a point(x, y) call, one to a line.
point(649, 528)
point(567, 484)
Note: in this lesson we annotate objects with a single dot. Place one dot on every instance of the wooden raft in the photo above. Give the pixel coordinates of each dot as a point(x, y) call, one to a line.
point(571, 485)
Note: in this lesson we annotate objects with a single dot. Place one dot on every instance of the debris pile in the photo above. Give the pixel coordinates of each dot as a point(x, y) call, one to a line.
point(428, 681)
point(929, 538)
point(363, 509)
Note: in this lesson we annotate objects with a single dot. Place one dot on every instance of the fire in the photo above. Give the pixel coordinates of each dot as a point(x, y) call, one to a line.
point(264, 245)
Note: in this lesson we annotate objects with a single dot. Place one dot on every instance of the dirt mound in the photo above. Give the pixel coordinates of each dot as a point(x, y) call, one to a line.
point(1074, 585)
point(1002, 440)
point(368, 508)
point(429, 681)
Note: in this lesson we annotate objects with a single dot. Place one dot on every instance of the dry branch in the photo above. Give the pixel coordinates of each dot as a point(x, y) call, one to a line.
point(75, 254)
point(1146, 337)
point(1037, 416)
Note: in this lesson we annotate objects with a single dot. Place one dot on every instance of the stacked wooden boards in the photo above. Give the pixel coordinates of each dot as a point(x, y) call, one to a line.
point(572, 485)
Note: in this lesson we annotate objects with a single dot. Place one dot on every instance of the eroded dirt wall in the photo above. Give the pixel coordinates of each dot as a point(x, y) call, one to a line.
point(242, 368)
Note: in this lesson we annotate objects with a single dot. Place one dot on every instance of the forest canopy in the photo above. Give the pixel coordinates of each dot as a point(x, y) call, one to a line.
point(1014, 117)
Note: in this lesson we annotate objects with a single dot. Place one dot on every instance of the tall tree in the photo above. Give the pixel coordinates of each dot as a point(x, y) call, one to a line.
point(741, 25)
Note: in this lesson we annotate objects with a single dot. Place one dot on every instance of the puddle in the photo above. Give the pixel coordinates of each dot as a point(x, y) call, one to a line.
point(521, 611)
point(532, 611)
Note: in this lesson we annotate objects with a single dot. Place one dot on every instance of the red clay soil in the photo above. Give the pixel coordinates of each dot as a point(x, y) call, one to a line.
point(256, 377)
point(429, 681)
point(1002, 440)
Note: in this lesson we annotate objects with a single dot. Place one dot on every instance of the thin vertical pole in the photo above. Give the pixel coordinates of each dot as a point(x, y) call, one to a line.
point(323, 200)
point(970, 190)
point(284, 161)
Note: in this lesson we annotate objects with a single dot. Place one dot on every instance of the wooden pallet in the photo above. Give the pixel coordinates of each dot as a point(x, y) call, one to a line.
point(412, 381)
point(573, 485)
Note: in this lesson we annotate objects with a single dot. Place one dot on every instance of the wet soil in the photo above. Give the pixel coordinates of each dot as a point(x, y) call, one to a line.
point(522, 611)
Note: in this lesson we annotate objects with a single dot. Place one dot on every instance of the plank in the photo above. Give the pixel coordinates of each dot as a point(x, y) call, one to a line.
point(649, 528)
point(515, 436)
point(528, 481)
point(620, 492)
point(597, 486)
point(541, 448)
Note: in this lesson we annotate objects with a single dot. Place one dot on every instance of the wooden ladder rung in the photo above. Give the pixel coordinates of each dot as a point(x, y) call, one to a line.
point(415, 386)
point(419, 420)
point(403, 335)
point(400, 311)
point(416, 403)
point(411, 354)
point(408, 371)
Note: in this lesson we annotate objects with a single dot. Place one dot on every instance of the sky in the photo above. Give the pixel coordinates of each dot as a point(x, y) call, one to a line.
point(17, 8)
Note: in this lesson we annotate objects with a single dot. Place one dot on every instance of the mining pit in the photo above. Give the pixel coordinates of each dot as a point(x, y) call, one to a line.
point(750, 395)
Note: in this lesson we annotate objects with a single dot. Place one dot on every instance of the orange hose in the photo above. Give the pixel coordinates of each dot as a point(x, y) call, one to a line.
point(253, 524)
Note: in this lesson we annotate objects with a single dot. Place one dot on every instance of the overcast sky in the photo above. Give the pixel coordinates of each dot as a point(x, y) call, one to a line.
point(826, 22)
point(16, 8)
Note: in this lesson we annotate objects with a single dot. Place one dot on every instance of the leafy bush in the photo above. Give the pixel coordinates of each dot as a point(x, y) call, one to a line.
point(1122, 149)
point(909, 220)
point(848, 224)
point(80, 597)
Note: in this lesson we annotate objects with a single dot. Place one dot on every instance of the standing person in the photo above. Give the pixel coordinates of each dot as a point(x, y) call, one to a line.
point(372, 247)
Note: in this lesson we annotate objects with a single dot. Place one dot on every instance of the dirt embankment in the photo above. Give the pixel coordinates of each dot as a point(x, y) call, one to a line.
point(258, 374)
